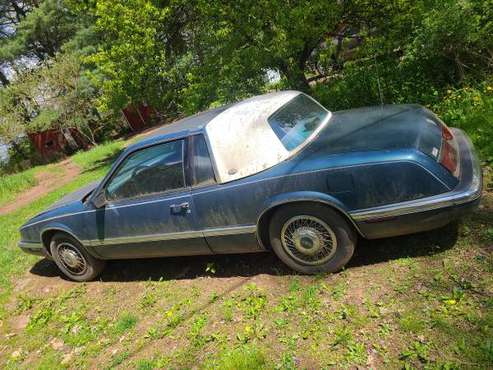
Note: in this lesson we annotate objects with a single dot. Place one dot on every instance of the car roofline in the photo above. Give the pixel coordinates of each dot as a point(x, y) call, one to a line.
point(175, 135)
point(196, 123)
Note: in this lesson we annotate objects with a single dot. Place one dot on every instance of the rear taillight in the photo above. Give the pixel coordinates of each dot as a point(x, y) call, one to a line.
point(449, 157)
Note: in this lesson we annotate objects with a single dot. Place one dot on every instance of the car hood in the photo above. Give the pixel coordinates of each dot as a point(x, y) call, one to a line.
point(77, 195)
point(70, 203)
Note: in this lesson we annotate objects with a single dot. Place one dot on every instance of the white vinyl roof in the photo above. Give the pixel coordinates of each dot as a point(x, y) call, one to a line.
point(242, 141)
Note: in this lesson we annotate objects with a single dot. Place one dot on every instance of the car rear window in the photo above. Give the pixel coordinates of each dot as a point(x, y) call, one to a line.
point(294, 122)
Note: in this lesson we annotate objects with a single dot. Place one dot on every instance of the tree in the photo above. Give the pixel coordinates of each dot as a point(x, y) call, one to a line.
point(31, 31)
point(65, 97)
point(169, 51)
point(41, 32)
point(56, 95)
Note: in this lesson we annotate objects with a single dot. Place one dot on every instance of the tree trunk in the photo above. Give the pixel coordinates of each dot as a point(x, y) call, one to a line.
point(19, 10)
point(295, 77)
point(3, 79)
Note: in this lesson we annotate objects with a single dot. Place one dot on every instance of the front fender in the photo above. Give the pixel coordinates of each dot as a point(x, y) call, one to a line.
point(56, 226)
point(59, 227)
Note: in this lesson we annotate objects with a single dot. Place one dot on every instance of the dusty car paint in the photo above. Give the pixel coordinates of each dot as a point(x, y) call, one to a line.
point(243, 143)
point(368, 164)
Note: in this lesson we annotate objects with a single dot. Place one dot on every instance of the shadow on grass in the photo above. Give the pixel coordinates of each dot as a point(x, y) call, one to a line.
point(105, 162)
point(368, 252)
point(428, 243)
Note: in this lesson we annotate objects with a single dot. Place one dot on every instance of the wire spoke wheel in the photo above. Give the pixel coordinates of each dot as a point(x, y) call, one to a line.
point(308, 240)
point(72, 259)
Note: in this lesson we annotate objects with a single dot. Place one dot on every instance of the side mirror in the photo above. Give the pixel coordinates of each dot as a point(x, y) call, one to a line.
point(99, 200)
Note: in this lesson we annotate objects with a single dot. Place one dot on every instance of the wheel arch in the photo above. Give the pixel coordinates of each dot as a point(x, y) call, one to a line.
point(48, 232)
point(300, 197)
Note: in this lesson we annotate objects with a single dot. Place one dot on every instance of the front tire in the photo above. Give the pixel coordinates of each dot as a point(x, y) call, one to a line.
point(73, 260)
point(311, 238)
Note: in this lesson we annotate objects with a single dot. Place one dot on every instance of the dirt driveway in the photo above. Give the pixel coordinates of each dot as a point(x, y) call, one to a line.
point(47, 181)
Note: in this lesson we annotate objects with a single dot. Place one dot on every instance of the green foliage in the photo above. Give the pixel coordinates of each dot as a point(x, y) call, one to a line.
point(471, 109)
point(57, 95)
point(254, 301)
point(417, 350)
point(41, 32)
point(131, 60)
point(95, 57)
point(148, 299)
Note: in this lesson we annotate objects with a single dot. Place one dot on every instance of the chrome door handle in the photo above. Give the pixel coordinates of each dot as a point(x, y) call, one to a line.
point(181, 208)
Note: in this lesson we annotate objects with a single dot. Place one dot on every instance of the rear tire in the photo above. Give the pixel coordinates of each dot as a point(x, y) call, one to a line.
point(73, 260)
point(311, 238)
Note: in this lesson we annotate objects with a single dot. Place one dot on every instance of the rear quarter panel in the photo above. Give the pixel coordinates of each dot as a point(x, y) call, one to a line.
point(349, 182)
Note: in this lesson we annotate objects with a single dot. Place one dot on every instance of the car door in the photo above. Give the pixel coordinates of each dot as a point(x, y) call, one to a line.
point(226, 224)
point(149, 209)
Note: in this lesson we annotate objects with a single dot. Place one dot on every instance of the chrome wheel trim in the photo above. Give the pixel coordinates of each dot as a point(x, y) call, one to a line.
point(71, 258)
point(308, 240)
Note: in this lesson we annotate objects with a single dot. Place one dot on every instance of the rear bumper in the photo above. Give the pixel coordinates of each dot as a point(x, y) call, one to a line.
point(32, 248)
point(430, 212)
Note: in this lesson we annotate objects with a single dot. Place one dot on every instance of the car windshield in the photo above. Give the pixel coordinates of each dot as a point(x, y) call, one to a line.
point(294, 122)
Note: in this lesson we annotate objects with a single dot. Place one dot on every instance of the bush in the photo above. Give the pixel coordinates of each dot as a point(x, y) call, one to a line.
point(471, 109)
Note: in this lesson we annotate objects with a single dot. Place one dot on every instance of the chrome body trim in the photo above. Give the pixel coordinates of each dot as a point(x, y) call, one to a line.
point(235, 230)
point(221, 231)
point(30, 245)
point(423, 205)
point(467, 191)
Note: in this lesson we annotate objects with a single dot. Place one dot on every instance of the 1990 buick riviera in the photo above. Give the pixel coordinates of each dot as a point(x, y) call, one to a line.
point(275, 172)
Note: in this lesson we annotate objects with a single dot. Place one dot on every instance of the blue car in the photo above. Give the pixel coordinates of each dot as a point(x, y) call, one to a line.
point(277, 172)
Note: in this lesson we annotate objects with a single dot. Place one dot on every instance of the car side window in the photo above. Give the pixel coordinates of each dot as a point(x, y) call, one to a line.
point(202, 173)
point(155, 169)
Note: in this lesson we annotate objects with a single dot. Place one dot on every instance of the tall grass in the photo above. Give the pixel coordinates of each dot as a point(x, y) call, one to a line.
point(12, 185)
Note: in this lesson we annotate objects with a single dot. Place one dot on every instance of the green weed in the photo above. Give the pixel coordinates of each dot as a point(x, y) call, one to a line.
point(124, 323)
point(255, 301)
point(411, 323)
point(242, 358)
point(148, 300)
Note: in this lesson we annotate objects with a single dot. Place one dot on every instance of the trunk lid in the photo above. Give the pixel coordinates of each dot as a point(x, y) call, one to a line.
point(388, 127)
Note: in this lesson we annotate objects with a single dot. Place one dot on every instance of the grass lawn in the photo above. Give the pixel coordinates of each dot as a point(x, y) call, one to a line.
point(420, 301)
point(12, 185)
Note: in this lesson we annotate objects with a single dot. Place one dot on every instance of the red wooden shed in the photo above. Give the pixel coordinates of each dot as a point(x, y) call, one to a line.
point(53, 143)
point(139, 117)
